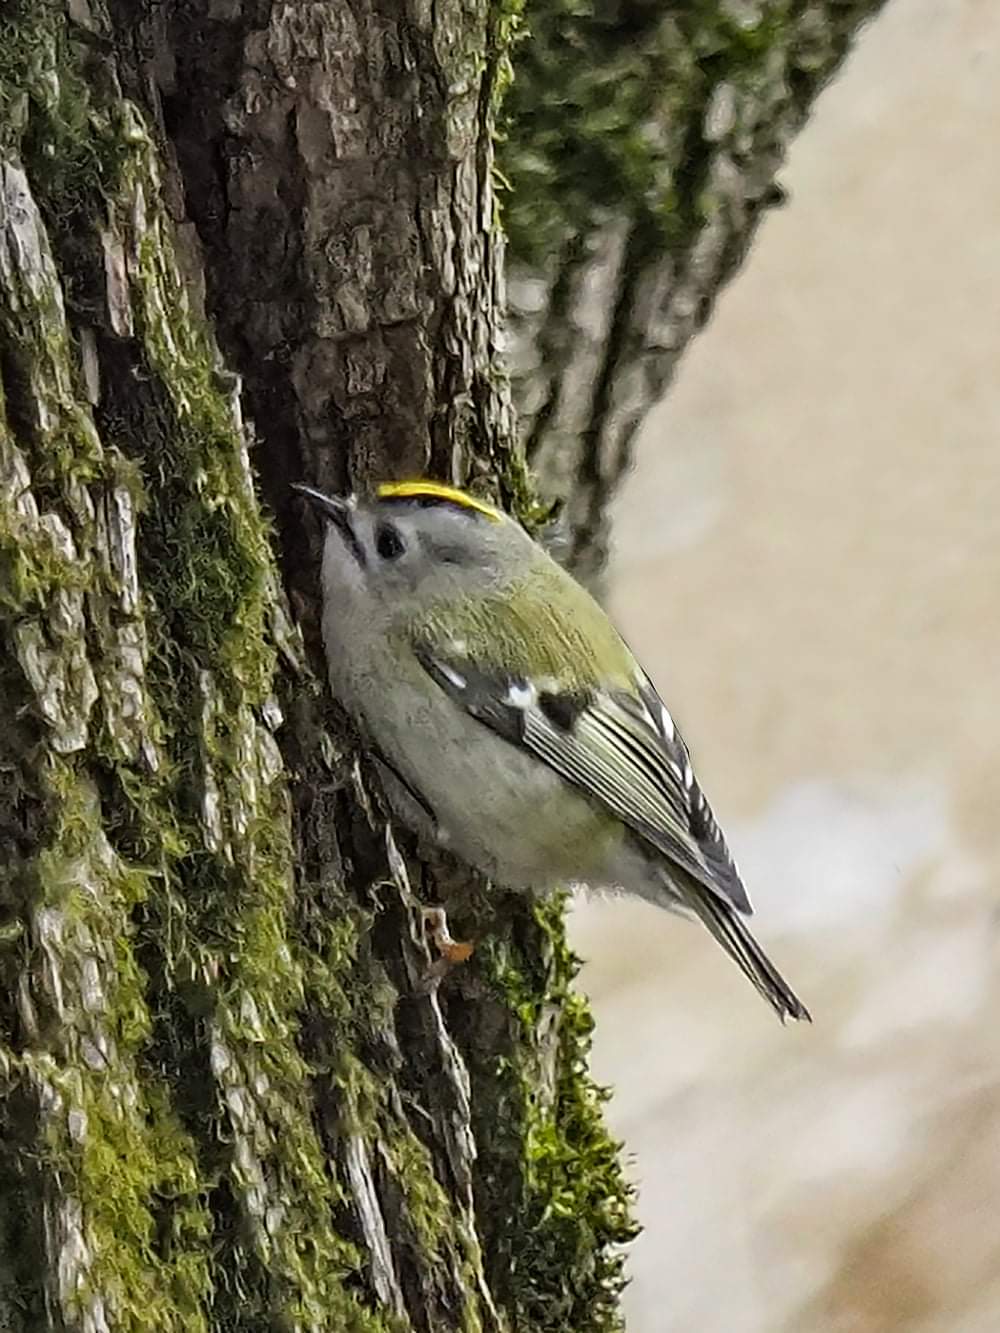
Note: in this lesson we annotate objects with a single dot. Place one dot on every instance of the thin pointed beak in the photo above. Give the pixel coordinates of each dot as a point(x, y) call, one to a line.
point(337, 511)
point(331, 507)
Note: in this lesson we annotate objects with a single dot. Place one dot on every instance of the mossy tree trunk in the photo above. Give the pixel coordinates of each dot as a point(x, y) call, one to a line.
point(226, 1104)
point(229, 230)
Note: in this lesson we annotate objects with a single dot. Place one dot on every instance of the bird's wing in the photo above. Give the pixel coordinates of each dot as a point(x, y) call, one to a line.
point(621, 749)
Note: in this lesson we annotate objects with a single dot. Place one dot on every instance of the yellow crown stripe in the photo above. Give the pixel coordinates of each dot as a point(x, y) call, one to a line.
point(436, 490)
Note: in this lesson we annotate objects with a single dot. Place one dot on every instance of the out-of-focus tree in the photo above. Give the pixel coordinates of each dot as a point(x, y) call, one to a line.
point(642, 146)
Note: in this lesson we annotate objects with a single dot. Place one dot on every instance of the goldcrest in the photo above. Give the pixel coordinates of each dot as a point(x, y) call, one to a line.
point(513, 715)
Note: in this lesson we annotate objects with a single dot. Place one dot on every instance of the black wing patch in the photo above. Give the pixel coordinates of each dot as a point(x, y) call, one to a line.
point(621, 750)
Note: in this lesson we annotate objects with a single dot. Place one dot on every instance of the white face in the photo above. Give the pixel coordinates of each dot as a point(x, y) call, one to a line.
point(387, 558)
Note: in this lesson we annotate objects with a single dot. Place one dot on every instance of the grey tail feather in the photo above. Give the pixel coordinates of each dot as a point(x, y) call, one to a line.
point(753, 962)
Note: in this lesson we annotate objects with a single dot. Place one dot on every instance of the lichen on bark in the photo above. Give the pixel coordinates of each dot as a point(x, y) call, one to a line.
point(226, 1104)
point(240, 244)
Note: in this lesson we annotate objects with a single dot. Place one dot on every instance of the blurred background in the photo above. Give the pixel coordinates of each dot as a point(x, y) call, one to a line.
point(808, 563)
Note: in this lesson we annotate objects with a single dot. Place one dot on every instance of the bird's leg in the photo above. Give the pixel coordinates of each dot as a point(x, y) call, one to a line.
point(453, 952)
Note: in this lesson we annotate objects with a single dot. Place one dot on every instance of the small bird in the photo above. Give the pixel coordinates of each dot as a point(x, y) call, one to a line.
point(514, 717)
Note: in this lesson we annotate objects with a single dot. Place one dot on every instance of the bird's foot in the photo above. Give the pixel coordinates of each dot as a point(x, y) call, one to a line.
point(452, 952)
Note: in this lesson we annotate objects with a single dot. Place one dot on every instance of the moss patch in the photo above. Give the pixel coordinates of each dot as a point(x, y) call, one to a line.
point(558, 1208)
point(201, 1006)
point(616, 110)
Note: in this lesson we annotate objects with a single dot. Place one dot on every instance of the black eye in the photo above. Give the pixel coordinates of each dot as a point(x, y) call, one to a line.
point(388, 542)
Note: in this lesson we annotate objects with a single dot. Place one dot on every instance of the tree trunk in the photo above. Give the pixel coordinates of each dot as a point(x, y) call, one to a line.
point(227, 1102)
point(641, 151)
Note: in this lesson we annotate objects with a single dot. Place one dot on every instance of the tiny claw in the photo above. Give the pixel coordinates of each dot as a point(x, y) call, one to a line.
point(458, 951)
point(453, 952)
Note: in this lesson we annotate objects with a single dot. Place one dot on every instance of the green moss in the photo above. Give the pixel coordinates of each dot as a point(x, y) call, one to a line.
point(30, 574)
point(507, 20)
point(429, 1211)
point(559, 1203)
point(133, 1165)
point(606, 116)
point(116, 1148)
point(521, 495)
point(204, 986)
point(45, 106)
point(206, 562)
point(587, 121)
point(200, 1141)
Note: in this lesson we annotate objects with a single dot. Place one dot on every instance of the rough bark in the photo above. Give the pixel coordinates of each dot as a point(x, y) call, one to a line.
point(253, 229)
point(225, 1104)
point(641, 151)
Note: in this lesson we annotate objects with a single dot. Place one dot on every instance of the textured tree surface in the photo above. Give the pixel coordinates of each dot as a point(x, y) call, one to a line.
point(233, 230)
point(641, 151)
point(226, 1105)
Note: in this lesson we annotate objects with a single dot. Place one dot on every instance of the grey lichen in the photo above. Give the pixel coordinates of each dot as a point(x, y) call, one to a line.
point(111, 649)
point(212, 1112)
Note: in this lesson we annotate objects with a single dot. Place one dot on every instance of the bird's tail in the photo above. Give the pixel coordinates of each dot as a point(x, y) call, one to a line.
point(741, 946)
